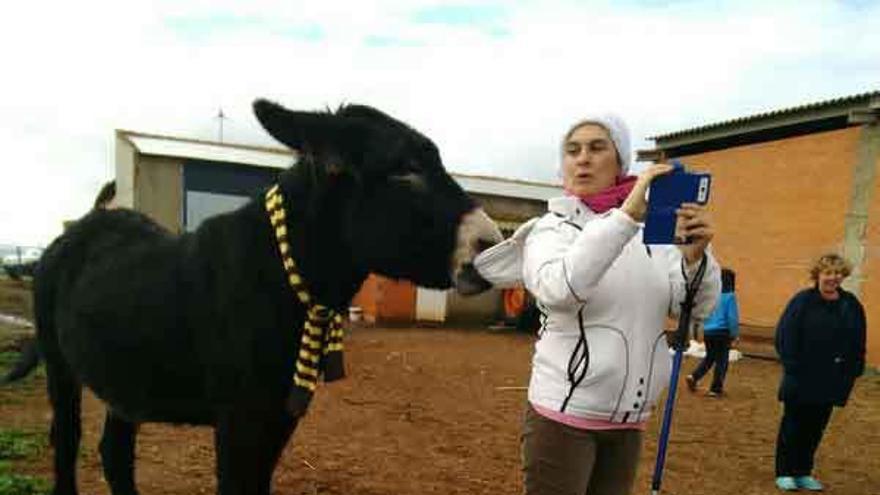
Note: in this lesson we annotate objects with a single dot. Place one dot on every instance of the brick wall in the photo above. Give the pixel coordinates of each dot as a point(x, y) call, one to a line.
point(778, 205)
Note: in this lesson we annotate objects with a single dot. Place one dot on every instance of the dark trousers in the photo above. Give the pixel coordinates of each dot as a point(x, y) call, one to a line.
point(717, 353)
point(800, 433)
point(561, 460)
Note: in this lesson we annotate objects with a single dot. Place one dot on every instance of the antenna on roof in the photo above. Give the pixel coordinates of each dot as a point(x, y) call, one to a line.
point(220, 118)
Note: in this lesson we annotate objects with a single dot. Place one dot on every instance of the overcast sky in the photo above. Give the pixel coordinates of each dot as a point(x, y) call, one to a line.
point(493, 83)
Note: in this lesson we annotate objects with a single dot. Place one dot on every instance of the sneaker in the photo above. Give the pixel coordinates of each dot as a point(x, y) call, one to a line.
point(714, 394)
point(786, 484)
point(809, 483)
point(691, 383)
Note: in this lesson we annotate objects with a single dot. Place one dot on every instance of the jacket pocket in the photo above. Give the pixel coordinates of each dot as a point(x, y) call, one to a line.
point(606, 375)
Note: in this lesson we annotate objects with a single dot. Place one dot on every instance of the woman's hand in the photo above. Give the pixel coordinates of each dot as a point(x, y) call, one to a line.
point(635, 204)
point(695, 225)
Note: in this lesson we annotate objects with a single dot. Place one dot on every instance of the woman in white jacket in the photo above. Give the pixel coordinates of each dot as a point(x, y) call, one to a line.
point(601, 359)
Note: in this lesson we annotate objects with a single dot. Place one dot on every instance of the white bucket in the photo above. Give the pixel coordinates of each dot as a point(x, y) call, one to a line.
point(355, 313)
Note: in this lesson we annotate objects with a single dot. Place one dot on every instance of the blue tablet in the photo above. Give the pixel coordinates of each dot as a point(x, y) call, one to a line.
point(666, 195)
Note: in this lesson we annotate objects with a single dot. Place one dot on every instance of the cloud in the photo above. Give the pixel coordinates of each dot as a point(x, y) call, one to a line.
point(377, 41)
point(490, 18)
point(200, 28)
point(460, 14)
point(493, 83)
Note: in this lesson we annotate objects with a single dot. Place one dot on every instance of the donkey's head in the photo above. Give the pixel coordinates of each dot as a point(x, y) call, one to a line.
point(399, 213)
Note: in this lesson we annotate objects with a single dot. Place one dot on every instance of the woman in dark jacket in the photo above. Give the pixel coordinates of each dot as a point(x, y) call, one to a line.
point(821, 342)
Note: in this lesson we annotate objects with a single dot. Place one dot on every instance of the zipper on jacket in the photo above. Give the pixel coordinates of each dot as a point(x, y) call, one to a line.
point(579, 356)
point(542, 319)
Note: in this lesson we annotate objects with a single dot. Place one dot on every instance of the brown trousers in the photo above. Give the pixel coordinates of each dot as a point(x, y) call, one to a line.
point(561, 460)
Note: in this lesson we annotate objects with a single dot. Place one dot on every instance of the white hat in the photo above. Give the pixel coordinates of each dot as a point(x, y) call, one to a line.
point(618, 131)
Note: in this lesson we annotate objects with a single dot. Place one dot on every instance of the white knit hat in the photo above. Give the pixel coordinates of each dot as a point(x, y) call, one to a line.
point(618, 131)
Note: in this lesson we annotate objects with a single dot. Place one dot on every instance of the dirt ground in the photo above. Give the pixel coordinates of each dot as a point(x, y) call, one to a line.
point(439, 411)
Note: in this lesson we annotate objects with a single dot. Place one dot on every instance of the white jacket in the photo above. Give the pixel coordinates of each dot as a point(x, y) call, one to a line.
point(593, 272)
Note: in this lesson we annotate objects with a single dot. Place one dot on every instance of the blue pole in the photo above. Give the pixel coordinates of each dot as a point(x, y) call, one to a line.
point(667, 423)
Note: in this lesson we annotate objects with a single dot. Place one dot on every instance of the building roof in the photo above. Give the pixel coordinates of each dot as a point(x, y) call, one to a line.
point(806, 109)
point(261, 156)
point(512, 188)
point(819, 116)
point(156, 145)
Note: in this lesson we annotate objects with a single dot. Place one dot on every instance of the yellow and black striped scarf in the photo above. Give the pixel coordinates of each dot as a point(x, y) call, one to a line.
point(320, 348)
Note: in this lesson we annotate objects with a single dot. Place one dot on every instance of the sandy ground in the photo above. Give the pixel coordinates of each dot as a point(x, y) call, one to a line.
point(439, 411)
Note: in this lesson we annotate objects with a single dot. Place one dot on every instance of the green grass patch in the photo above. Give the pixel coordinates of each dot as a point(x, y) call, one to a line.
point(16, 444)
point(19, 484)
point(7, 359)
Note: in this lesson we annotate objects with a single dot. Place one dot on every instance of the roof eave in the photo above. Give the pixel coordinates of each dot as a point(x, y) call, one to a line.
point(279, 158)
point(853, 108)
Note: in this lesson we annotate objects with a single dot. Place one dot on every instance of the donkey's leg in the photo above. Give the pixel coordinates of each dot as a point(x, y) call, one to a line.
point(65, 394)
point(275, 437)
point(117, 454)
point(248, 446)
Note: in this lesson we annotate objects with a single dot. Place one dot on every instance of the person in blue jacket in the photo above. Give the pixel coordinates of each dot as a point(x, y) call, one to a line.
point(719, 330)
point(821, 343)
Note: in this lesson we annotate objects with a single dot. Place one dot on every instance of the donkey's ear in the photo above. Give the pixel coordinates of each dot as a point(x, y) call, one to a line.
point(367, 112)
point(302, 131)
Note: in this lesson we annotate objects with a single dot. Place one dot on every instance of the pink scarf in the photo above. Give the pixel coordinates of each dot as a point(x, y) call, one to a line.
point(611, 197)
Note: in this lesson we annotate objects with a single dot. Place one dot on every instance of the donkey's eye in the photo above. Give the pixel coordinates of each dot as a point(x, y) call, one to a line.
point(411, 179)
point(412, 166)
